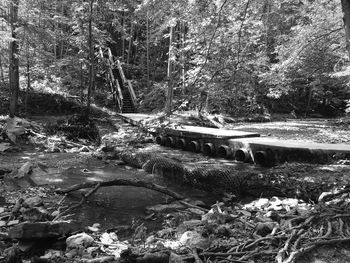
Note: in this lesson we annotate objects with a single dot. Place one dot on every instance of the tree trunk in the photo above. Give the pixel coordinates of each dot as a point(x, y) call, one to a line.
point(2, 73)
point(91, 60)
point(14, 62)
point(81, 82)
point(346, 11)
point(28, 78)
point(130, 43)
point(123, 36)
point(183, 71)
point(170, 93)
point(147, 48)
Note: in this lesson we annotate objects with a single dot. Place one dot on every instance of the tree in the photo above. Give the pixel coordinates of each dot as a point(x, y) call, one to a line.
point(346, 11)
point(14, 58)
point(91, 59)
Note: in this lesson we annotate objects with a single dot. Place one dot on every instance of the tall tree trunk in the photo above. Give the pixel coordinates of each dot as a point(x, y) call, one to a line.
point(81, 82)
point(28, 75)
point(2, 72)
point(130, 43)
point(123, 36)
point(183, 71)
point(14, 62)
point(147, 48)
point(346, 11)
point(91, 61)
point(170, 93)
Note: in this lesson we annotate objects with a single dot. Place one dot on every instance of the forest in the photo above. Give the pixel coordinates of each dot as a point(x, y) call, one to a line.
point(231, 57)
point(188, 131)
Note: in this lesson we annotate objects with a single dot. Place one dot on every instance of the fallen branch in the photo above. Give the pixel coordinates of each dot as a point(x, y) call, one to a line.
point(326, 196)
point(83, 199)
point(130, 182)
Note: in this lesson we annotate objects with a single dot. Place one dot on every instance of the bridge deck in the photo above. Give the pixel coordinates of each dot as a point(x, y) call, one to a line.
point(278, 150)
point(194, 132)
point(292, 144)
point(207, 133)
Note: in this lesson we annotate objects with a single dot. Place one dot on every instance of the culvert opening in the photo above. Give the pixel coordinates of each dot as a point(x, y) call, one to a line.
point(208, 149)
point(224, 151)
point(159, 139)
point(194, 146)
point(169, 142)
point(260, 157)
point(181, 144)
point(242, 155)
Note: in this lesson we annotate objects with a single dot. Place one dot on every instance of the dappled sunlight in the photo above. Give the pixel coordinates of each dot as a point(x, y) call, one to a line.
point(54, 180)
point(93, 179)
point(334, 168)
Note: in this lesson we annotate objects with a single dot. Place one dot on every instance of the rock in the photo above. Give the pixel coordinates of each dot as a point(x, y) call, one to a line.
point(38, 230)
point(72, 253)
point(224, 231)
point(12, 255)
point(194, 239)
point(2, 223)
point(4, 146)
point(192, 223)
point(99, 259)
point(36, 214)
point(33, 202)
point(175, 258)
point(264, 228)
point(26, 246)
point(79, 240)
point(52, 254)
point(2, 200)
point(94, 228)
point(92, 250)
point(109, 238)
point(25, 169)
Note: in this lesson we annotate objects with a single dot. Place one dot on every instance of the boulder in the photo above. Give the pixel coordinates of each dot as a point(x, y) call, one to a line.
point(79, 240)
point(194, 239)
point(39, 230)
point(33, 202)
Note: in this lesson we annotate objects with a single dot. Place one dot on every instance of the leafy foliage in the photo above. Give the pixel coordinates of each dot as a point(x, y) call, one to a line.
point(236, 57)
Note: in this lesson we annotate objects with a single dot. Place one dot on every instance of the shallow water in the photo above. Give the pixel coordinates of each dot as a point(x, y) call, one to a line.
point(118, 205)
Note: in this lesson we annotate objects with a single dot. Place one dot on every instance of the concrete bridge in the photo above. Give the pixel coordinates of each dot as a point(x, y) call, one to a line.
point(243, 146)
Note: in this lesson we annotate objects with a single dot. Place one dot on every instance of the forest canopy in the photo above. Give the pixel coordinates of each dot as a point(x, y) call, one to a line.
point(232, 57)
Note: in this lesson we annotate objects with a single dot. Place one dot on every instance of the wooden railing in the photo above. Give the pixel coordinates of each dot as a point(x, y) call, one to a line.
point(114, 82)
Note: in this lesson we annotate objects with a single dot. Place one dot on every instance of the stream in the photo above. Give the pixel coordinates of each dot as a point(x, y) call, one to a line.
point(119, 205)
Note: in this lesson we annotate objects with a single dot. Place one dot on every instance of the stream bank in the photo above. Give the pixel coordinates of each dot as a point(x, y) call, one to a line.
point(256, 231)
